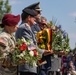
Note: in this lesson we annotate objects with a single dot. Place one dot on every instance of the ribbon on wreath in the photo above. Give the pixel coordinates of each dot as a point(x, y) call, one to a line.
point(49, 38)
point(44, 41)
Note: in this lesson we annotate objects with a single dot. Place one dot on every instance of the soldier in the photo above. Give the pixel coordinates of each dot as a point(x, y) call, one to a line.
point(25, 31)
point(39, 24)
point(7, 43)
point(44, 69)
point(36, 7)
point(28, 19)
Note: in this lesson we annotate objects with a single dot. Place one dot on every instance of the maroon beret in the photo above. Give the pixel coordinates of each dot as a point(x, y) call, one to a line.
point(10, 19)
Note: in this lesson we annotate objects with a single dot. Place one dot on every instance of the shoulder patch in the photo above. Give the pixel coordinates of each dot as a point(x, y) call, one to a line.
point(3, 41)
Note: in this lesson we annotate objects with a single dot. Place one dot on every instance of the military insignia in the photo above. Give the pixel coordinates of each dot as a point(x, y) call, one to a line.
point(3, 41)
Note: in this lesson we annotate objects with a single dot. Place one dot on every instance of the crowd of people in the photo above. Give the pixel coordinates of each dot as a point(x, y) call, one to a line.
point(31, 23)
point(69, 64)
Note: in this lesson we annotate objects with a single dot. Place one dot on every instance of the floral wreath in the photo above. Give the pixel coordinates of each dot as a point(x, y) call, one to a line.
point(25, 52)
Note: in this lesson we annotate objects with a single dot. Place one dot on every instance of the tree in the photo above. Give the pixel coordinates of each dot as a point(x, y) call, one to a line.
point(4, 8)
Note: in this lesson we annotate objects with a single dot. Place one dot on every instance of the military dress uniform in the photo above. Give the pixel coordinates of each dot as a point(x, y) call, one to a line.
point(41, 70)
point(7, 44)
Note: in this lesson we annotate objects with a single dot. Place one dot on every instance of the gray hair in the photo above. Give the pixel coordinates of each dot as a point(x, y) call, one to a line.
point(42, 17)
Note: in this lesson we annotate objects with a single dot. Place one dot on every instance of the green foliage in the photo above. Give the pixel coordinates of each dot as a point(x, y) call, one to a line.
point(59, 42)
point(60, 39)
point(4, 8)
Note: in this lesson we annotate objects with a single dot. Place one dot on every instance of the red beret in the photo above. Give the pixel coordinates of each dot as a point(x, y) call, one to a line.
point(10, 19)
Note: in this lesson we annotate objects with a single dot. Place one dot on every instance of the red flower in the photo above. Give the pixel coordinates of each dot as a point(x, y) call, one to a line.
point(23, 46)
point(23, 43)
point(40, 61)
point(39, 41)
point(16, 45)
point(35, 53)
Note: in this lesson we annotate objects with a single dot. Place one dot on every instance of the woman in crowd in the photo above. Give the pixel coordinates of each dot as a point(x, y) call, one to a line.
point(64, 65)
point(7, 43)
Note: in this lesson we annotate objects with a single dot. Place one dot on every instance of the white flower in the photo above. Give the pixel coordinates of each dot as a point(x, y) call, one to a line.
point(23, 52)
point(67, 50)
point(28, 42)
point(34, 64)
point(22, 55)
point(23, 39)
point(57, 35)
point(31, 53)
point(63, 40)
point(62, 36)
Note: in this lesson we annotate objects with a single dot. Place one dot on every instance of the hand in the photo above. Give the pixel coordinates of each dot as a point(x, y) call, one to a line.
point(49, 51)
point(22, 61)
point(62, 52)
point(46, 51)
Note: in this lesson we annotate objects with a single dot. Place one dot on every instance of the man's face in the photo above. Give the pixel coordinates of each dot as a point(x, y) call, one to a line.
point(38, 15)
point(43, 21)
point(43, 24)
point(32, 20)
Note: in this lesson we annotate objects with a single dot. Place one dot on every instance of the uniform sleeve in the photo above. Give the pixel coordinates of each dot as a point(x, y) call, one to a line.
point(41, 51)
point(3, 46)
point(26, 35)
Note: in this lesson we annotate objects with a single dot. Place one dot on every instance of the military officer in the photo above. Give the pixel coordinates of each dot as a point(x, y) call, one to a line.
point(28, 19)
point(7, 43)
point(36, 28)
point(36, 7)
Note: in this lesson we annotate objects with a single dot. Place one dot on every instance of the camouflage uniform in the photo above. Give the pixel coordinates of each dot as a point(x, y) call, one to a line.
point(7, 44)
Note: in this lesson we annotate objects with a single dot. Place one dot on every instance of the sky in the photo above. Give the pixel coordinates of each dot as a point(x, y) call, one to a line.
point(61, 12)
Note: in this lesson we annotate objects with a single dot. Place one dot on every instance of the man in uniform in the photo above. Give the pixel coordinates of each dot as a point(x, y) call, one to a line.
point(28, 19)
point(36, 28)
point(36, 7)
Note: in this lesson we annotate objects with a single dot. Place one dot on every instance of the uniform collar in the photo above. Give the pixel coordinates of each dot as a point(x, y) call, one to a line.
point(27, 25)
point(10, 35)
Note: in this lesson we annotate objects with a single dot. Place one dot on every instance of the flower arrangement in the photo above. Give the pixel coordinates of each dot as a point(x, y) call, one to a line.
point(40, 40)
point(57, 39)
point(25, 53)
point(60, 39)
